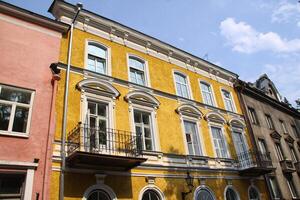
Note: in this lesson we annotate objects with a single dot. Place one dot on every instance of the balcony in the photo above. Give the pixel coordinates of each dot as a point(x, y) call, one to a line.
point(110, 149)
point(297, 167)
point(254, 163)
point(287, 166)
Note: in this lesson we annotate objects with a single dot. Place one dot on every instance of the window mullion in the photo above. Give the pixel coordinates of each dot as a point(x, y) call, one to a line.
point(12, 116)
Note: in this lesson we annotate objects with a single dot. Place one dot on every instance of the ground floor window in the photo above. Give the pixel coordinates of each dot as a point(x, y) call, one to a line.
point(204, 194)
point(151, 195)
point(253, 194)
point(12, 186)
point(274, 187)
point(231, 194)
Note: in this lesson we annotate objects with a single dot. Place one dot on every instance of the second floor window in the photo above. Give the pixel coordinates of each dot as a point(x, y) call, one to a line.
point(293, 154)
point(143, 128)
point(252, 115)
point(181, 85)
point(279, 151)
point(269, 121)
point(192, 138)
point(262, 146)
point(219, 142)
point(228, 101)
point(137, 70)
point(97, 58)
point(283, 126)
point(207, 94)
point(15, 109)
point(295, 131)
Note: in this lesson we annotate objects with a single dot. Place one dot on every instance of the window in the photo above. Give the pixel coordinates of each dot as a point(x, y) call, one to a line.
point(204, 194)
point(207, 94)
point(279, 151)
point(295, 131)
point(151, 195)
point(182, 85)
point(274, 187)
point(15, 110)
point(98, 195)
point(192, 138)
point(143, 128)
point(228, 101)
point(290, 183)
point(293, 154)
point(137, 70)
point(252, 116)
point(253, 194)
point(97, 58)
point(283, 126)
point(12, 185)
point(231, 194)
point(262, 146)
point(219, 142)
point(269, 121)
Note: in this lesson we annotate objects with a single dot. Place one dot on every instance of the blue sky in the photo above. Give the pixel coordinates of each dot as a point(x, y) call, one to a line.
point(248, 37)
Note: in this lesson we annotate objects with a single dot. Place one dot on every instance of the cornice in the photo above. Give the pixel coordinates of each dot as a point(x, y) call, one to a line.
point(61, 9)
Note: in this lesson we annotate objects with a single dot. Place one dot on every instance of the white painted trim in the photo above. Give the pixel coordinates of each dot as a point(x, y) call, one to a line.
point(8, 163)
point(151, 187)
point(183, 106)
point(239, 121)
point(232, 99)
point(29, 184)
point(203, 187)
point(257, 190)
point(233, 188)
point(100, 186)
point(146, 70)
point(218, 117)
point(108, 56)
point(152, 99)
point(175, 71)
point(215, 103)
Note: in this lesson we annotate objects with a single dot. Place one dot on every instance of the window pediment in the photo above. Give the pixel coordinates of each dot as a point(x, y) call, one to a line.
point(235, 122)
point(142, 98)
point(98, 87)
point(289, 139)
point(189, 110)
point(215, 117)
point(275, 135)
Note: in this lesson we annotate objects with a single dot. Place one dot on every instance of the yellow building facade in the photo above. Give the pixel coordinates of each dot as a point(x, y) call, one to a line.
point(147, 120)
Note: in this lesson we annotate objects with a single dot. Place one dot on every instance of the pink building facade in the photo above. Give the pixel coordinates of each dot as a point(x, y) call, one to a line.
point(29, 43)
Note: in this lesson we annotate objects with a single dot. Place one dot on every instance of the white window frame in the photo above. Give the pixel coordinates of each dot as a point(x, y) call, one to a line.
point(203, 187)
point(13, 109)
point(290, 181)
point(146, 69)
point(269, 121)
point(279, 151)
point(100, 186)
point(283, 127)
point(231, 99)
point(188, 85)
point(221, 126)
point(256, 189)
point(215, 104)
point(154, 128)
point(108, 55)
point(293, 153)
point(151, 187)
point(241, 131)
point(253, 118)
point(232, 188)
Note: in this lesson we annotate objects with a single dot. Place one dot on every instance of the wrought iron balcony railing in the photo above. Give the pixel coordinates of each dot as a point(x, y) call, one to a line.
point(97, 140)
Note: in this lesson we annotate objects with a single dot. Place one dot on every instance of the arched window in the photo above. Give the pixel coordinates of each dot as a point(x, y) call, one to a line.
point(137, 70)
point(207, 94)
point(98, 195)
point(231, 194)
point(151, 195)
point(228, 101)
point(204, 194)
point(97, 58)
point(253, 194)
point(182, 87)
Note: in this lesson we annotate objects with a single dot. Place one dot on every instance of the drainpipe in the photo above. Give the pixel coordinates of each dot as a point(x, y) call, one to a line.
point(65, 112)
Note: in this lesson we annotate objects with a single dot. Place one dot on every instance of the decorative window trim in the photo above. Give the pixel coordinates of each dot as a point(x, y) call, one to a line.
point(275, 136)
point(175, 71)
point(232, 99)
point(218, 125)
point(189, 110)
point(108, 49)
point(215, 103)
point(29, 106)
point(255, 188)
point(203, 187)
point(237, 123)
point(151, 187)
point(146, 70)
point(233, 188)
point(100, 186)
point(213, 116)
point(150, 100)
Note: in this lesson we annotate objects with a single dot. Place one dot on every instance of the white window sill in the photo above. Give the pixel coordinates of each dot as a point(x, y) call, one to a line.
point(14, 134)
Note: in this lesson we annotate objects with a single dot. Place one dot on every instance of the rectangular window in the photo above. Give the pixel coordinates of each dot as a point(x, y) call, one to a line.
point(262, 146)
point(269, 121)
point(12, 186)
point(192, 138)
point(279, 151)
point(15, 109)
point(228, 101)
point(219, 142)
point(293, 154)
point(137, 70)
point(274, 188)
point(143, 128)
point(207, 94)
point(252, 116)
point(181, 85)
point(295, 131)
point(96, 58)
point(283, 126)
point(290, 183)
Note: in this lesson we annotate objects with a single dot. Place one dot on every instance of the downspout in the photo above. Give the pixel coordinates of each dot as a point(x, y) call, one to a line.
point(65, 112)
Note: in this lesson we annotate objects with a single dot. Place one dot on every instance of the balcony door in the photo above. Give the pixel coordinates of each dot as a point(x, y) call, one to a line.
point(241, 149)
point(97, 136)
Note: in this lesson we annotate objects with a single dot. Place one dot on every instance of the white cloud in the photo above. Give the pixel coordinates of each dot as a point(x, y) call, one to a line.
point(245, 39)
point(286, 12)
point(298, 24)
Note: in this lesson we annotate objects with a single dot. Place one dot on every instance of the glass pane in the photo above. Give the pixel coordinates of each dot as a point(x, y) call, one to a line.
point(140, 78)
point(188, 138)
point(102, 125)
point(132, 76)
point(205, 87)
point(178, 86)
point(180, 79)
point(5, 111)
point(97, 51)
point(100, 66)
point(148, 143)
point(138, 130)
point(204, 195)
point(92, 107)
point(11, 184)
point(10, 94)
point(91, 63)
point(146, 118)
point(147, 133)
point(137, 64)
point(20, 120)
point(101, 110)
point(137, 117)
point(184, 91)
point(92, 122)
point(230, 195)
